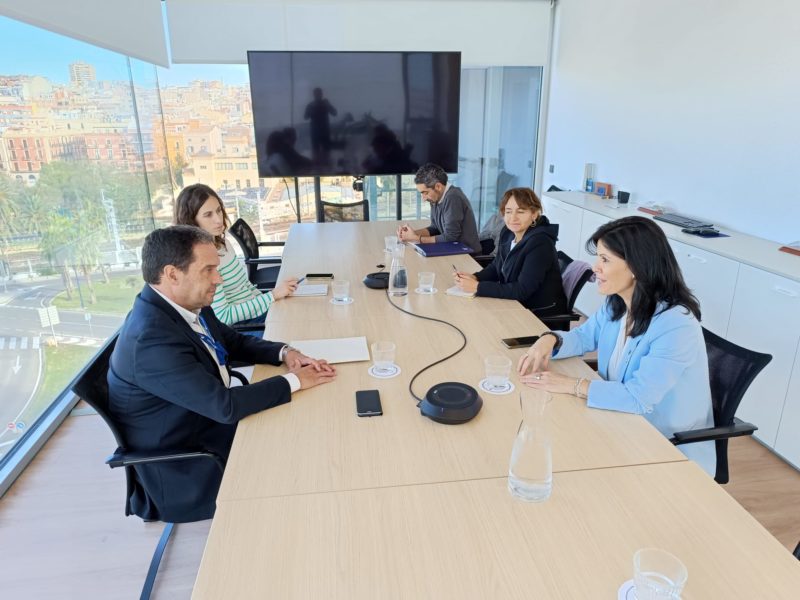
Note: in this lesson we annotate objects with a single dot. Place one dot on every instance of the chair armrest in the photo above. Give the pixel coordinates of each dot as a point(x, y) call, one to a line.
point(557, 318)
point(240, 377)
point(129, 459)
point(739, 428)
point(240, 327)
point(272, 260)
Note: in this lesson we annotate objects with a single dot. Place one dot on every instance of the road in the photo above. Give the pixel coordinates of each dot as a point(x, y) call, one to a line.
point(22, 339)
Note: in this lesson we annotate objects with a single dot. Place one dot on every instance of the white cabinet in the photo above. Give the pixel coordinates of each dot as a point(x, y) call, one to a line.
point(589, 300)
point(765, 317)
point(788, 441)
point(568, 218)
point(712, 279)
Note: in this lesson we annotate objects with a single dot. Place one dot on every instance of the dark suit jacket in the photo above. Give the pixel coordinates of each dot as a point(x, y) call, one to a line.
point(529, 273)
point(166, 392)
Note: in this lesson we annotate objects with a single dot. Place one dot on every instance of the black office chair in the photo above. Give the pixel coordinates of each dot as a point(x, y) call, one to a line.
point(91, 386)
point(263, 278)
point(561, 322)
point(731, 370)
point(797, 551)
point(333, 212)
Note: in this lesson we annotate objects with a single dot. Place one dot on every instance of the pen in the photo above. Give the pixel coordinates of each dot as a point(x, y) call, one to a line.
point(455, 270)
point(301, 280)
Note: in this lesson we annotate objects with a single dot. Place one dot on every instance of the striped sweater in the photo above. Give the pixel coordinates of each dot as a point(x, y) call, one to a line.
point(237, 299)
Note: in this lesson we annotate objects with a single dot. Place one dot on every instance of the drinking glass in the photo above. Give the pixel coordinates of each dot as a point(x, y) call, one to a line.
point(383, 357)
point(498, 368)
point(389, 242)
point(341, 290)
point(658, 575)
point(426, 279)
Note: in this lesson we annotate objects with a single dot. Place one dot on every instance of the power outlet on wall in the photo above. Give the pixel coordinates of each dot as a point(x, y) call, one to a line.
point(552, 169)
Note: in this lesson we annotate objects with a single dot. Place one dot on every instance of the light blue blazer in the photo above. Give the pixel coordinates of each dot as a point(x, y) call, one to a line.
point(664, 374)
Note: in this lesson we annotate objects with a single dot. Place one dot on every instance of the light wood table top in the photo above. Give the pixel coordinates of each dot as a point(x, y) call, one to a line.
point(316, 443)
point(352, 250)
point(472, 539)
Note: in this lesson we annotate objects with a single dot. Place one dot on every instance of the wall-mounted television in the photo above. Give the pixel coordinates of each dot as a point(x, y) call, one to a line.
point(354, 113)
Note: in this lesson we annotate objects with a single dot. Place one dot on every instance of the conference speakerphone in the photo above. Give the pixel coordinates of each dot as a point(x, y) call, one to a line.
point(682, 221)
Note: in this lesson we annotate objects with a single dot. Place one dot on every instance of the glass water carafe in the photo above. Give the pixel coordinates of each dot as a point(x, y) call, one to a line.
point(530, 472)
point(398, 277)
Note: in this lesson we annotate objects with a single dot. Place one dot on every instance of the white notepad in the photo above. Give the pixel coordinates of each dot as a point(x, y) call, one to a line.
point(311, 289)
point(335, 350)
point(457, 291)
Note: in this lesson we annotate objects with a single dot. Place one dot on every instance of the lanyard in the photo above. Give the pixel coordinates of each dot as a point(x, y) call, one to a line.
point(219, 349)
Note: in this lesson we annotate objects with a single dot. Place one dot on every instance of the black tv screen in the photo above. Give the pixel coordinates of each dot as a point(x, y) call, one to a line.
point(354, 113)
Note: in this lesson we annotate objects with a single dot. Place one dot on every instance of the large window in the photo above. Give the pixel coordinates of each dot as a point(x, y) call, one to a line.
point(93, 149)
point(83, 178)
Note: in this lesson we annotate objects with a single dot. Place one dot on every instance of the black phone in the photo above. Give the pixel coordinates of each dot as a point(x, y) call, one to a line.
point(319, 275)
point(368, 403)
point(520, 342)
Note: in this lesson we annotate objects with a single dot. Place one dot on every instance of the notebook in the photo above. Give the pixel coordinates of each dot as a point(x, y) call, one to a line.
point(312, 289)
point(442, 249)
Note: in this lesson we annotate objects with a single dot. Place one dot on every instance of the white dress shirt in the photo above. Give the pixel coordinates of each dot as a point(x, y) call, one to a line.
point(192, 319)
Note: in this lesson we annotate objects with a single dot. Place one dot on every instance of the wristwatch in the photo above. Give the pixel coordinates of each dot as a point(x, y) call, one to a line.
point(285, 350)
point(559, 339)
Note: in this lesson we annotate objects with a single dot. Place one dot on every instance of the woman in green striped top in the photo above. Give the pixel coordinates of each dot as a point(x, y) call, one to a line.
point(236, 300)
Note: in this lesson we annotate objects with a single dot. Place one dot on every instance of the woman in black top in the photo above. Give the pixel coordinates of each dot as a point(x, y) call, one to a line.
point(526, 265)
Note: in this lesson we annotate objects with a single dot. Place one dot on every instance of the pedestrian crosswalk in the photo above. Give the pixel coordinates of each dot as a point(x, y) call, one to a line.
point(34, 342)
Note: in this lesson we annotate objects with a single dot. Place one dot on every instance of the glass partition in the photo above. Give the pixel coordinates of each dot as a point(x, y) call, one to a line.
point(81, 158)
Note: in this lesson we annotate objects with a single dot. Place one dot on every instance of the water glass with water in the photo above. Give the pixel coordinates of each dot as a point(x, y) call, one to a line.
point(530, 472)
point(497, 369)
point(341, 290)
point(426, 279)
point(658, 575)
point(383, 354)
point(389, 243)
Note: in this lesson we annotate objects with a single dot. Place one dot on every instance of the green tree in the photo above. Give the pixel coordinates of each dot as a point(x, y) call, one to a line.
point(56, 236)
point(8, 207)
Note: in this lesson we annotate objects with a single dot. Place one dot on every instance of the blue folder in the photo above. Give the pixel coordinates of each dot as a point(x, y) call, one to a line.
point(442, 249)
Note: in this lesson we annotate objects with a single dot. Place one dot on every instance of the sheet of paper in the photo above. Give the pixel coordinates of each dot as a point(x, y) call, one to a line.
point(311, 289)
point(457, 291)
point(335, 350)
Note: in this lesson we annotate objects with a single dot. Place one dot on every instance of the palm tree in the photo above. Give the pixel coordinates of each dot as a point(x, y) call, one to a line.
point(8, 207)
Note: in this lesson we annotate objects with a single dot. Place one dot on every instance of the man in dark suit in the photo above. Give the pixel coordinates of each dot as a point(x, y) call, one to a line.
point(169, 381)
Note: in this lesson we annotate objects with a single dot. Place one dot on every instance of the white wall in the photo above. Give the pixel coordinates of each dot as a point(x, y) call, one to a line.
point(694, 104)
point(488, 33)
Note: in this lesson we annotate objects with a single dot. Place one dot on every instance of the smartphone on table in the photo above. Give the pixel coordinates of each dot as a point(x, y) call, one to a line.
point(520, 342)
point(368, 403)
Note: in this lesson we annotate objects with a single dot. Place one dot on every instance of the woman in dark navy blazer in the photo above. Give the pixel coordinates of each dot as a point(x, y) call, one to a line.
point(526, 265)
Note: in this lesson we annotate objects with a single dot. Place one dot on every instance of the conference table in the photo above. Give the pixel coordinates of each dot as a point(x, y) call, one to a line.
point(319, 503)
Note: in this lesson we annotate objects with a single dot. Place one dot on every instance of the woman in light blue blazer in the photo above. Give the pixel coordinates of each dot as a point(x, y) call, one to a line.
point(650, 348)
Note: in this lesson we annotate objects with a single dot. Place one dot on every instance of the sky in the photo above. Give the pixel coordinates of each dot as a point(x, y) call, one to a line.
point(29, 50)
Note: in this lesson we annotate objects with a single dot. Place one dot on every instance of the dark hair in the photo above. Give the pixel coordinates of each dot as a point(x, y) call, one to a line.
point(171, 246)
point(430, 174)
point(644, 248)
point(190, 201)
point(525, 197)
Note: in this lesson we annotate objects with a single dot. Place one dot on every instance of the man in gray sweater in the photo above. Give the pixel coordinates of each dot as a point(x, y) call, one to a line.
point(452, 219)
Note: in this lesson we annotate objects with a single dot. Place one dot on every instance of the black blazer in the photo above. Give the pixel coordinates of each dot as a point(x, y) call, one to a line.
point(529, 273)
point(166, 392)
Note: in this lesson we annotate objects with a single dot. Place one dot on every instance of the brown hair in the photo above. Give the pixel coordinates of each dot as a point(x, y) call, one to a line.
point(525, 197)
point(190, 201)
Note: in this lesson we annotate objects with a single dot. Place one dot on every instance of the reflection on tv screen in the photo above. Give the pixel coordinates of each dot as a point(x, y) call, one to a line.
point(354, 113)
